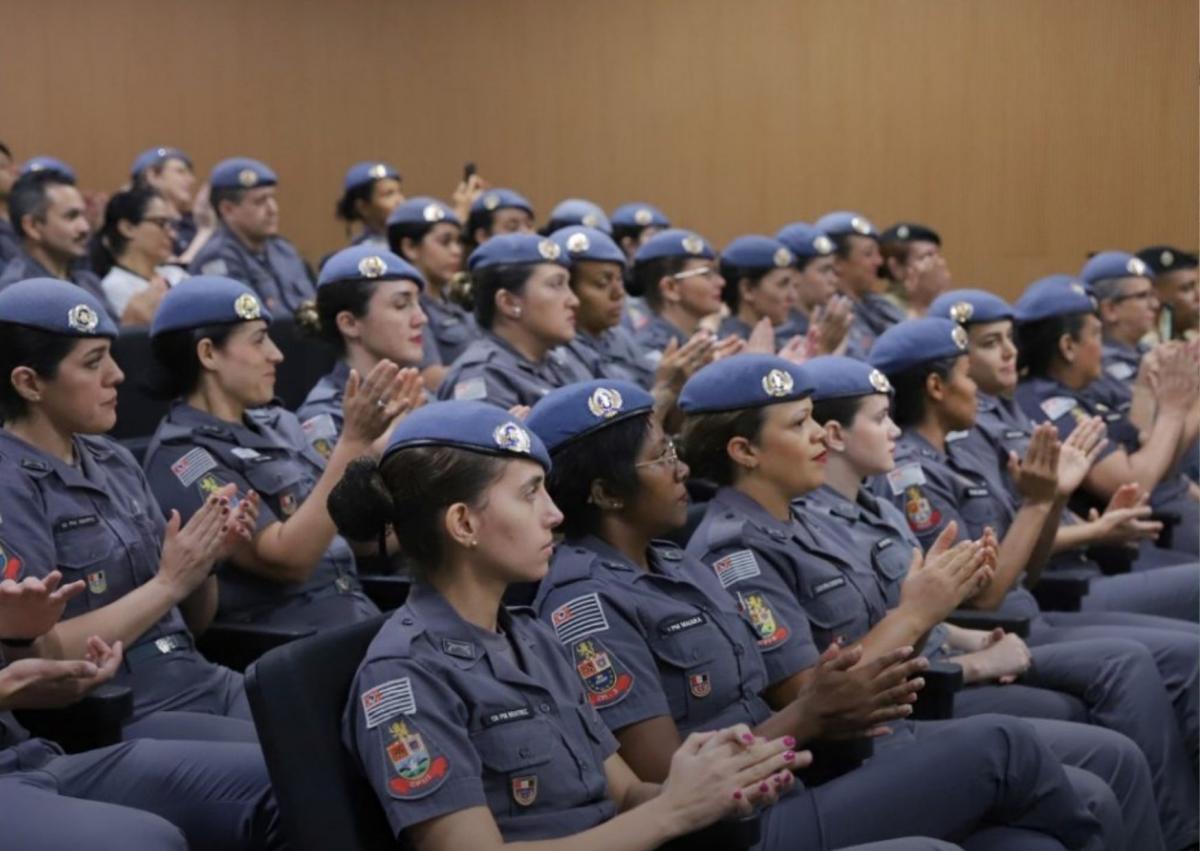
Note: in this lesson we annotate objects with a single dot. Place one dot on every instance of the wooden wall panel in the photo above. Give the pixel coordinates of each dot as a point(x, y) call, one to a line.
point(1027, 131)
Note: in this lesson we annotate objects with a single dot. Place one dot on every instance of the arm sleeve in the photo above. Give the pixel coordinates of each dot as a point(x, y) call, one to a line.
point(182, 477)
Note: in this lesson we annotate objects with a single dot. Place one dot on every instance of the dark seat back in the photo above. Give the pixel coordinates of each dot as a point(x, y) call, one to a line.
point(297, 693)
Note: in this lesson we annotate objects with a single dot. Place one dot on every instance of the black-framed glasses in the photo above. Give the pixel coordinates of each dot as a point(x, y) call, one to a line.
point(167, 223)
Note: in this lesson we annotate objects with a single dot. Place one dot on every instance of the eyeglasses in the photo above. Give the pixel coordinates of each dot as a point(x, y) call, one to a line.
point(167, 223)
point(669, 457)
point(1140, 296)
point(703, 271)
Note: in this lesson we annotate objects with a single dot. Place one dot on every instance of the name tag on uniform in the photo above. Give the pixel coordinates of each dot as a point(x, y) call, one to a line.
point(829, 585)
point(321, 425)
point(1056, 406)
point(518, 713)
point(952, 436)
point(1014, 434)
point(76, 523)
point(471, 389)
point(905, 477)
point(1120, 370)
point(246, 453)
point(973, 492)
point(883, 545)
point(672, 627)
point(461, 649)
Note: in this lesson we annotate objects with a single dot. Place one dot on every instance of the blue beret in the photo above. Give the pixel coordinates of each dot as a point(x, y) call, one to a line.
point(155, 157)
point(56, 306)
point(845, 222)
point(241, 173)
point(579, 211)
point(50, 164)
point(1113, 264)
point(515, 249)
point(570, 412)
point(1166, 258)
point(757, 252)
point(674, 242)
point(422, 210)
point(905, 231)
point(498, 199)
point(837, 377)
point(1053, 295)
point(639, 215)
point(584, 243)
point(369, 262)
point(206, 300)
point(804, 240)
point(475, 426)
point(365, 172)
point(916, 341)
point(744, 381)
point(968, 306)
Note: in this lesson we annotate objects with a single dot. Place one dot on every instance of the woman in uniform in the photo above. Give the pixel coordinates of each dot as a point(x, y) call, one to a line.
point(759, 275)
point(217, 361)
point(662, 650)
point(370, 191)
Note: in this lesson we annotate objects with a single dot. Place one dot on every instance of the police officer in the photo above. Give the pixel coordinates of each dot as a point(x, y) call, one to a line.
point(150, 793)
point(760, 284)
point(856, 248)
point(370, 192)
point(816, 282)
point(10, 245)
point(169, 171)
point(577, 211)
point(247, 246)
point(1177, 286)
point(43, 163)
point(495, 212)
point(525, 310)
point(426, 232)
point(634, 223)
point(663, 651)
point(913, 262)
point(73, 499)
point(1002, 427)
point(1127, 307)
point(48, 213)
point(465, 717)
point(1060, 353)
point(209, 339)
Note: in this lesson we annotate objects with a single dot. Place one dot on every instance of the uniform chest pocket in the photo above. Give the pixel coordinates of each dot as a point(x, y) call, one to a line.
point(978, 509)
point(271, 478)
point(832, 604)
point(519, 766)
point(891, 558)
point(94, 554)
point(452, 330)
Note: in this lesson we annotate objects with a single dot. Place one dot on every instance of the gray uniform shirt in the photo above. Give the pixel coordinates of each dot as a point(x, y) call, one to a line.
point(277, 274)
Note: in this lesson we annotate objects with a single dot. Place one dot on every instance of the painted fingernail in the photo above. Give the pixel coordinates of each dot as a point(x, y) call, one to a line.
point(789, 741)
point(737, 794)
point(778, 780)
point(764, 788)
point(789, 755)
point(748, 738)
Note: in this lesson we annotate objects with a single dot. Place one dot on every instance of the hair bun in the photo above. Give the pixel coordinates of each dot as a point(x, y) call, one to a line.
point(360, 504)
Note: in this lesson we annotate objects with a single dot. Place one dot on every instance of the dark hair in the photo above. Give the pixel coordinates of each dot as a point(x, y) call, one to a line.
point(29, 197)
point(318, 317)
point(109, 243)
point(705, 436)
point(397, 232)
point(908, 403)
point(646, 275)
point(608, 454)
point(233, 194)
point(842, 410)
point(40, 350)
point(896, 249)
point(479, 217)
point(346, 208)
point(176, 367)
point(731, 293)
point(485, 283)
point(843, 241)
point(410, 492)
point(4, 150)
point(621, 232)
point(1037, 342)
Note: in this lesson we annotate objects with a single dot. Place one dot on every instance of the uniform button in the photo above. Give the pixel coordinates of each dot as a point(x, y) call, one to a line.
point(407, 621)
point(696, 653)
point(747, 692)
point(544, 707)
point(738, 650)
point(523, 751)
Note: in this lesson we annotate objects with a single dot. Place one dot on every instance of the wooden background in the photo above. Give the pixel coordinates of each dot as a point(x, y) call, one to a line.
point(1027, 131)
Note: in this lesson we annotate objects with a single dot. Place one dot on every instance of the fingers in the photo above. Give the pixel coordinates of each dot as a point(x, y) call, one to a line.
point(519, 411)
point(946, 539)
point(68, 592)
point(845, 659)
point(172, 525)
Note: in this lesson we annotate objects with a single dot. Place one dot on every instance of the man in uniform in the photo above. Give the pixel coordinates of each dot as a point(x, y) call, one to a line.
point(10, 246)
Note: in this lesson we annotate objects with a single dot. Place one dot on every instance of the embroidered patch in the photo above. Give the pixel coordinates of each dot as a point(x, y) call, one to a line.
point(952, 436)
point(518, 713)
point(413, 770)
point(69, 523)
point(884, 544)
point(322, 425)
point(829, 585)
point(323, 447)
point(921, 515)
point(904, 477)
point(975, 492)
point(10, 563)
point(673, 626)
point(606, 680)
point(472, 388)
point(245, 453)
point(287, 504)
point(1014, 434)
point(455, 647)
point(193, 465)
point(736, 567)
point(771, 631)
point(1120, 370)
point(387, 700)
point(97, 582)
point(578, 618)
point(215, 267)
point(699, 685)
point(524, 789)
point(1056, 406)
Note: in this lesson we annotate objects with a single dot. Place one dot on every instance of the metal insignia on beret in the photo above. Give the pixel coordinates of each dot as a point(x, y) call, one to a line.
point(962, 311)
point(1167, 259)
point(577, 243)
point(247, 307)
point(512, 437)
point(83, 319)
point(903, 231)
point(861, 225)
point(377, 171)
point(782, 258)
point(247, 177)
point(372, 267)
point(960, 338)
point(605, 402)
point(1078, 288)
point(549, 250)
point(778, 383)
point(879, 381)
point(161, 152)
point(36, 166)
point(433, 213)
point(643, 216)
point(823, 244)
point(491, 201)
point(692, 244)
point(589, 220)
point(1135, 266)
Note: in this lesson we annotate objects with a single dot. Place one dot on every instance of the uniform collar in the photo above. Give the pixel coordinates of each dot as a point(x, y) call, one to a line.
point(663, 556)
point(38, 464)
point(522, 361)
point(911, 442)
point(245, 434)
point(755, 513)
point(832, 499)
